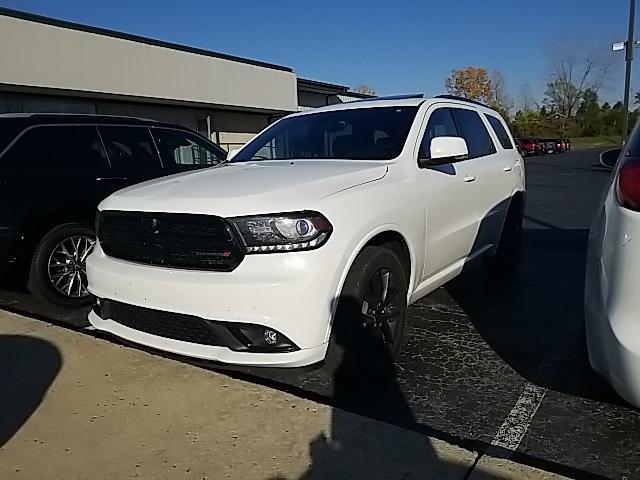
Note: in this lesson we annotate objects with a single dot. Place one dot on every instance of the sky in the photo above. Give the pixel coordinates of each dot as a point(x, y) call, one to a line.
point(394, 47)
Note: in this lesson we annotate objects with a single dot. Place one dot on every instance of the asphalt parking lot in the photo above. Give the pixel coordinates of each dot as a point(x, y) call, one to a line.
point(494, 368)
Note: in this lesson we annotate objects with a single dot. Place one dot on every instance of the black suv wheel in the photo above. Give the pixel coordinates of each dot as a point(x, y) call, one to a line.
point(58, 267)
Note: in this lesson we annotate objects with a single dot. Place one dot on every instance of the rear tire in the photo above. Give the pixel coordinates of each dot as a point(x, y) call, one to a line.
point(368, 328)
point(58, 267)
point(504, 262)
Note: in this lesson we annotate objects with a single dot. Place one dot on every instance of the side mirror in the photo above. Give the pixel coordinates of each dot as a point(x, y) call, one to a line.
point(445, 150)
point(609, 158)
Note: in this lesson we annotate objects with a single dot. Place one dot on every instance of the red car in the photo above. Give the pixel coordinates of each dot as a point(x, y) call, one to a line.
point(528, 146)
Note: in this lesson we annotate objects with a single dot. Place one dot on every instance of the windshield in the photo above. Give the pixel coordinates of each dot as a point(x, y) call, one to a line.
point(377, 133)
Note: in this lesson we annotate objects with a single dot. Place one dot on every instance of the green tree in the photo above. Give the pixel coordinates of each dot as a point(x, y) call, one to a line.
point(589, 121)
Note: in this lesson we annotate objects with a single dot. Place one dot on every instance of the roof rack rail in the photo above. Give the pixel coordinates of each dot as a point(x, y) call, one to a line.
point(391, 97)
point(461, 99)
point(81, 115)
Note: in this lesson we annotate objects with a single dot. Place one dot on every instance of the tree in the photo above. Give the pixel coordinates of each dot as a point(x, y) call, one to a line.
point(589, 115)
point(527, 100)
point(574, 69)
point(365, 89)
point(500, 99)
point(471, 82)
point(589, 103)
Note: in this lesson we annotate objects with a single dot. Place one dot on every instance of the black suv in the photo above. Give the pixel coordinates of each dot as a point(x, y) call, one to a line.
point(56, 168)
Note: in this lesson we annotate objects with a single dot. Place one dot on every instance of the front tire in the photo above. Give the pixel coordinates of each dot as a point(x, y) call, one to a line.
point(58, 267)
point(368, 328)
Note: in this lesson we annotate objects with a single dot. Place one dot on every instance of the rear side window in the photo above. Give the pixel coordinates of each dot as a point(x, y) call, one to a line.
point(77, 147)
point(184, 150)
point(130, 148)
point(441, 124)
point(472, 129)
point(501, 133)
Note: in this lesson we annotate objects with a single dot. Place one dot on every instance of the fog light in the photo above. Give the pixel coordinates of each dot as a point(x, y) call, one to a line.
point(258, 338)
point(270, 336)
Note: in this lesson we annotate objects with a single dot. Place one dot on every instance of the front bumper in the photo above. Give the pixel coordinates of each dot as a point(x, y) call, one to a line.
point(291, 293)
point(298, 358)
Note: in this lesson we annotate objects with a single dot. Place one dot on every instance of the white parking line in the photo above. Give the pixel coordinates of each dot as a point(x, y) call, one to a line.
point(517, 422)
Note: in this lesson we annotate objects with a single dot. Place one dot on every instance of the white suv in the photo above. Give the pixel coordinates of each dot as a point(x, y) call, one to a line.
point(313, 239)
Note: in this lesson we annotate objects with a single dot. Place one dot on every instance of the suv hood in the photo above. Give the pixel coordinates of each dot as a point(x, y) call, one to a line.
point(247, 188)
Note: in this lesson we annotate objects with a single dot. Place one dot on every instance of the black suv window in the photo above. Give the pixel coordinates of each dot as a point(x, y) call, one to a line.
point(57, 147)
point(183, 150)
point(501, 133)
point(130, 148)
point(472, 129)
point(441, 124)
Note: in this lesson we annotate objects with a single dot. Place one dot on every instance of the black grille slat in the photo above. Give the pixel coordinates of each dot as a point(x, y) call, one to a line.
point(186, 328)
point(169, 239)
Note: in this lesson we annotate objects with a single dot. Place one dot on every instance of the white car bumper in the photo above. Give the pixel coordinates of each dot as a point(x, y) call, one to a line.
point(612, 302)
point(291, 293)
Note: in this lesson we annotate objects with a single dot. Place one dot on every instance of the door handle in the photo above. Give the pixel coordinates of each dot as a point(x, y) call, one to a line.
point(507, 168)
point(470, 178)
point(111, 179)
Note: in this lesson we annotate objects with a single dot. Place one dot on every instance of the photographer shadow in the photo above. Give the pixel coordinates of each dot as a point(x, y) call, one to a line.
point(359, 446)
point(28, 367)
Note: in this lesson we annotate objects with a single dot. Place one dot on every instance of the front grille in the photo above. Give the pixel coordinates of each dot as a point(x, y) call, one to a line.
point(204, 242)
point(164, 324)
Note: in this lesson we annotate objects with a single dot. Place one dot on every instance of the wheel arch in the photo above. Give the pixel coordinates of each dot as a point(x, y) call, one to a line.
point(386, 236)
point(36, 225)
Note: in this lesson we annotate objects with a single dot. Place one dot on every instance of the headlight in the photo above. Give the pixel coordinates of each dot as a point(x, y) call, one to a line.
point(282, 232)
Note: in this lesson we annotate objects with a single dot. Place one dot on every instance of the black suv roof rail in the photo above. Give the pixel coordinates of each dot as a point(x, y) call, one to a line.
point(460, 99)
point(75, 115)
point(391, 97)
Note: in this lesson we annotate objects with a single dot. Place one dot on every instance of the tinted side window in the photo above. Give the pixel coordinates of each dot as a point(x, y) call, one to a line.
point(440, 124)
point(183, 149)
point(130, 148)
point(501, 133)
point(57, 147)
point(472, 129)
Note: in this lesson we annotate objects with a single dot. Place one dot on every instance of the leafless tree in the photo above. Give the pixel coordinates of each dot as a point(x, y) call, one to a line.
point(500, 98)
point(527, 100)
point(574, 67)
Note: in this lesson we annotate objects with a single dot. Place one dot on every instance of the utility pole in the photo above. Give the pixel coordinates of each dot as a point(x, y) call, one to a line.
point(629, 45)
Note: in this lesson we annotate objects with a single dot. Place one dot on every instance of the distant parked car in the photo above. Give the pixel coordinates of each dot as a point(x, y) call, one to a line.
point(55, 169)
point(612, 303)
point(528, 146)
point(541, 147)
point(549, 146)
point(559, 145)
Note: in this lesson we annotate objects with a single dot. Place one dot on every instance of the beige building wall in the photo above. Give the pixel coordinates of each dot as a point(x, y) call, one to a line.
point(40, 55)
